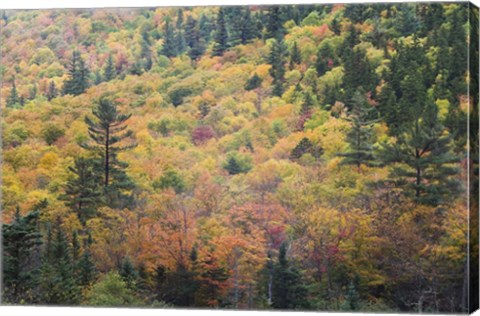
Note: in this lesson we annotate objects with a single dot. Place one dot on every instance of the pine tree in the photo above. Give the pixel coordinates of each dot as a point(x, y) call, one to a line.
point(109, 73)
point(20, 265)
point(205, 28)
point(233, 18)
point(85, 267)
point(247, 29)
point(13, 98)
point(194, 41)
point(169, 48)
point(32, 93)
point(423, 160)
point(52, 91)
point(82, 192)
point(232, 166)
point(358, 73)
point(325, 59)
point(295, 56)
point(274, 25)
point(303, 147)
point(107, 131)
point(277, 60)
point(288, 290)
point(78, 76)
point(221, 36)
point(253, 82)
point(361, 136)
point(128, 273)
point(352, 299)
point(58, 286)
point(179, 37)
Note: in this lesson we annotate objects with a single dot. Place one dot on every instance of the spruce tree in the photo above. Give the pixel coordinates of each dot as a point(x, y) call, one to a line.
point(253, 82)
point(85, 267)
point(274, 23)
point(358, 73)
point(361, 135)
point(20, 263)
point(109, 73)
point(78, 74)
point(58, 285)
point(52, 91)
point(277, 60)
point(221, 36)
point(205, 28)
point(288, 290)
point(325, 59)
point(295, 56)
point(82, 191)
point(247, 31)
point(196, 46)
point(168, 48)
point(128, 273)
point(180, 44)
point(107, 131)
point(13, 98)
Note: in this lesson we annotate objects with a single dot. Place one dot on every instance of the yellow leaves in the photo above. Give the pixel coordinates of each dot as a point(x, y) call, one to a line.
point(48, 161)
point(262, 71)
point(443, 106)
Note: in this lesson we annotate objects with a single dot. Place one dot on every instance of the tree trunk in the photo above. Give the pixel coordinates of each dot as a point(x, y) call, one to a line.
point(107, 158)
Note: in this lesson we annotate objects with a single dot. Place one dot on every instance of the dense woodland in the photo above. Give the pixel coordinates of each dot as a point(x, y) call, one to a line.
point(286, 157)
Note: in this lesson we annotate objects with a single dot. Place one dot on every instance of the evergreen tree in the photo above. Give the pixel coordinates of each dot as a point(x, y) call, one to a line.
point(253, 82)
point(303, 147)
point(32, 93)
point(247, 29)
point(233, 18)
point(361, 135)
point(85, 267)
point(20, 263)
point(352, 299)
point(358, 73)
point(274, 23)
point(169, 48)
point(288, 290)
point(335, 26)
point(232, 166)
point(325, 59)
point(128, 273)
point(52, 91)
point(13, 98)
point(205, 28)
point(58, 286)
point(107, 131)
point(424, 163)
point(109, 73)
point(78, 76)
point(295, 56)
point(82, 192)
point(221, 36)
point(277, 60)
point(179, 37)
point(194, 41)
point(459, 54)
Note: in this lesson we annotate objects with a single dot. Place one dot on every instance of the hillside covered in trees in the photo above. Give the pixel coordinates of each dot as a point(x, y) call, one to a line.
point(309, 157)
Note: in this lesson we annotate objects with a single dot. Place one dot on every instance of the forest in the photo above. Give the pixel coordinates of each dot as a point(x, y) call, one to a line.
point(294, 157)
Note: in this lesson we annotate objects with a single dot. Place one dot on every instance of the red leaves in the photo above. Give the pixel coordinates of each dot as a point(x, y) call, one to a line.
point(201, 134)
